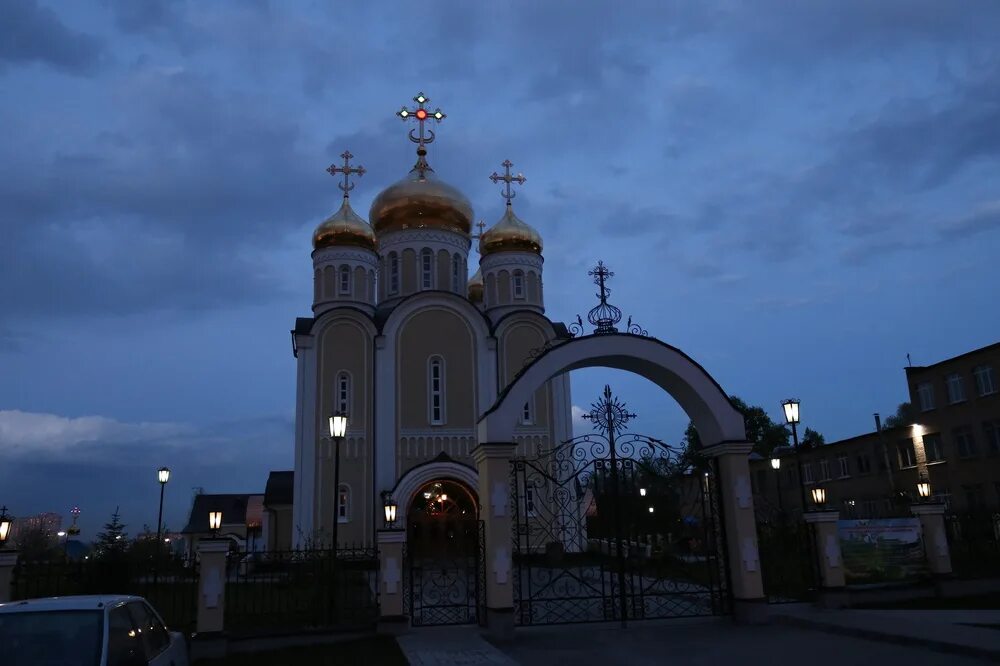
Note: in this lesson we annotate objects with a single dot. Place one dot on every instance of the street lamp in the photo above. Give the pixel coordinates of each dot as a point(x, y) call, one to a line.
point(642, 492)
point(338, 428)
point(791, 408)
point(924, 488)
point(776, 466)
point(819, 497)
point(214, 522)
point(162, 475)
point(4, 526)
point(390, 507)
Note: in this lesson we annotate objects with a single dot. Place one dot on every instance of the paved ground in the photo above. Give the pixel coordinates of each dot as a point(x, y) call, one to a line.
point(699, 642)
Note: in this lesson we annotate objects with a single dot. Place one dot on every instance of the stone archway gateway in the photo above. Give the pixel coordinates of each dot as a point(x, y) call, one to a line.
point(720, 426)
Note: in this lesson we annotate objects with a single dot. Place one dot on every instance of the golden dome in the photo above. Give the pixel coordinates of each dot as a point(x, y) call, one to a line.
point(475, 287)
point(345, 227)
point(510, 234)
point(418, 201)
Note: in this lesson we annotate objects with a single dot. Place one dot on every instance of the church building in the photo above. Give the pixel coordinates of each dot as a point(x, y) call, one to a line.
point(412, 351)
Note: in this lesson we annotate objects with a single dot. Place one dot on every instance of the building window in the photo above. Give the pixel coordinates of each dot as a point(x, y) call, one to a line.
point(925, 394)
point(965, 443)
point(393, 273)
point(426, 269)
point(343, 504)
point(956, 388)
point(529, 501)
point(456, 273)
point(843, 469)
point(518, 284)
point(864, 464)
point(344, 283)
point(527, 414)
point(435, 390)
point(824, 470)
point(933, 450)
point(807, 473)
point(986, 383)
point(344, 393)
point(907, 458)
point(973, 496)
point(991, 429)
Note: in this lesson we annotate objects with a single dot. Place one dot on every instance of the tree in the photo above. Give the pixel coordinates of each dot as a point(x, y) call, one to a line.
point(38, 544)
point(113, 541)
point(811, 439)
point(905, 415)
point(765, 434)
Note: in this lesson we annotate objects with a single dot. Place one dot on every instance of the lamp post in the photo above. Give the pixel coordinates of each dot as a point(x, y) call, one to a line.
point(791, 408)
point(819, 497)
point(162, 475)
point(215, 522)
point(776, 466)
point(4, 527)
point(924, 489)
point(389, 504)
point(338, 428)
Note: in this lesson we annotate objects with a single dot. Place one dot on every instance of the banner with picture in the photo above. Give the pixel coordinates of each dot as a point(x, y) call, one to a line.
point(882, 550)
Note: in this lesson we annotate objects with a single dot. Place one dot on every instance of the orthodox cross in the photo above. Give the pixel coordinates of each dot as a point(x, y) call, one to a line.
point(479, 225)
point(422, 115)
point(347, 170)
point(604, 316)
point(507, 179)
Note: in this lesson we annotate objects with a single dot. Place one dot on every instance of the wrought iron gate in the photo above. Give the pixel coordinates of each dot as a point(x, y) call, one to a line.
point(449, 586)
point(616, 526)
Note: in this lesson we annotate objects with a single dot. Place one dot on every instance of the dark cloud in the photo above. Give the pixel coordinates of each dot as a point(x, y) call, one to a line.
point(33, 33)
point(986, 218)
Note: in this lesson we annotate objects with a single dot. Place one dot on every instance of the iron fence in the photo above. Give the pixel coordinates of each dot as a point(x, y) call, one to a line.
point(307, 589)
point(787, 560)
point(170, 586)
point(974, 540)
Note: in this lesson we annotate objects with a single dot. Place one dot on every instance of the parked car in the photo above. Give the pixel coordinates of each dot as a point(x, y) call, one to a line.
point(106, 630)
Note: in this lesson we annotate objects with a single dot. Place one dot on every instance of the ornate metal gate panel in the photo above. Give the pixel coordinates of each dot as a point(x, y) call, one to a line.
point(615, 527)
point(447, 588)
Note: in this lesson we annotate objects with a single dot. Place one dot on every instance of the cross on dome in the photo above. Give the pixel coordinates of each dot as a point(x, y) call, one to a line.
point(479, 225)
point(421, 136)
point(508, 179)
point(347, 170)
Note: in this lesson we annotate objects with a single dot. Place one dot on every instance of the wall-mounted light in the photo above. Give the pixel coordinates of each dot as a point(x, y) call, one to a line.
point(389, 505)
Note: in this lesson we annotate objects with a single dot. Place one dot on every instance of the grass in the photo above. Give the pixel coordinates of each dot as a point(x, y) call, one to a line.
point(979, 602)
point(373, 651)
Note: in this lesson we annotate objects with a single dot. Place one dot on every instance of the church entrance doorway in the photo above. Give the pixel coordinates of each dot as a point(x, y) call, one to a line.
point(444, 544)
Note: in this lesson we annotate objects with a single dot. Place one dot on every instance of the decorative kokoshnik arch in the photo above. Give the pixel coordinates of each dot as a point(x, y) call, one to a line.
point(675, 372)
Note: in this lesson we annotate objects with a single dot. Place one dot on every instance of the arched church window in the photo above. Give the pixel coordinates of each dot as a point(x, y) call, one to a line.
point(435, 390)
point(344, 393)
point(426, 269)
point(393, 273)
point(528, 413)
point(518, 284)
point(343, 504)
point(344, 286)
point(456, 273)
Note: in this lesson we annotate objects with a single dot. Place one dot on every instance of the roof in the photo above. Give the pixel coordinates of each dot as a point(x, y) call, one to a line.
point(232, 506)
point(279, 488)
point(993, 347)
point(82, 602)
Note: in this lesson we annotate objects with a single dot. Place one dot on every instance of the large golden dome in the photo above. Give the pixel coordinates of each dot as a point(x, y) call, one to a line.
point(345, 227)
point(419, 201)
point(510, 234)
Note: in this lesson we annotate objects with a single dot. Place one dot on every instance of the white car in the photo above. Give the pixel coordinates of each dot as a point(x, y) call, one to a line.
point(106, 630)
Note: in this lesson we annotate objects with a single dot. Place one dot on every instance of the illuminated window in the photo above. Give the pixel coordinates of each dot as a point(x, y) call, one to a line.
point(518, 284)
point(393, 273)
point(956, 388)
point(343, 504)
point(435, 390)
point(343, 393)
point(986, 383)
point(345, 280)
point(456, 273)
point(426, 269)
point(925, 394)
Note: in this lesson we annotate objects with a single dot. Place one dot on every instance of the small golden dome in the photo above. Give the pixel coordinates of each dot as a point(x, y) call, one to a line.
point(345, 227)
point(475, 287)
point(419, 201)
point(510, 234)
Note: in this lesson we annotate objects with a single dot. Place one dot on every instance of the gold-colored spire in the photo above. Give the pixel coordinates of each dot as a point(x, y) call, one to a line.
point(475, 287)
point(345, 227)
point(511, 233)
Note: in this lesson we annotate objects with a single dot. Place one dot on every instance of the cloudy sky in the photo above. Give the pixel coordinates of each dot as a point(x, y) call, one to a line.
point(796, 194)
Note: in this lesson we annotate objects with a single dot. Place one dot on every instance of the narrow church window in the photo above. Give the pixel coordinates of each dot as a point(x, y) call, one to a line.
point(456, 273)
point(518, 284)
point(343, 393)
point(529, 501)
point(426, 268)
point(436, 390)
point(393, 273)
point(527, 416)
point(345, 280)
point(343, 504)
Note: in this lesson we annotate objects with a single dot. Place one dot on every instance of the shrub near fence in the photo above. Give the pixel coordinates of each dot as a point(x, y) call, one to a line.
point(291, 590)
point(172, 588)
point(974, 540)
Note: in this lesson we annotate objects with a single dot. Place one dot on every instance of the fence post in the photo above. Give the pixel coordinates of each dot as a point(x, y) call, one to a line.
point(493, 465)
point(392, 616)
point(740, 528)
point(826, 540)
point(8, 560)
point(211, 596)
point(935, 538)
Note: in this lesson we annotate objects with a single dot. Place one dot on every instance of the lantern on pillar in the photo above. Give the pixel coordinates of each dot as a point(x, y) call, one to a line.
point(819, 497)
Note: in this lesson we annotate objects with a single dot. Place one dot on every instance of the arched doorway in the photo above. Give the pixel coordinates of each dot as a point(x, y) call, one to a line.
point(442, 521)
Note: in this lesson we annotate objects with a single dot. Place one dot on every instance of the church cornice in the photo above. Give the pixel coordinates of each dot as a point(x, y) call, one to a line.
point(407, 237)
point(516, 259)
point(328, 254)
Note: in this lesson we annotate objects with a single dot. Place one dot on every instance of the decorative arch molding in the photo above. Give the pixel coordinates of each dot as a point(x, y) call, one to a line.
point(442, 467)
point(339, 315)
point(675, 372)
point(446, 300)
